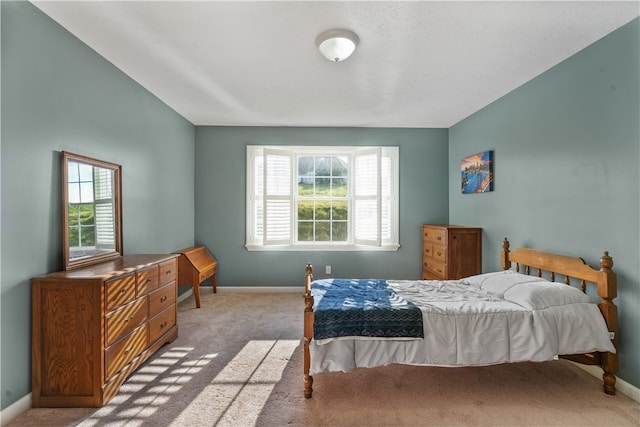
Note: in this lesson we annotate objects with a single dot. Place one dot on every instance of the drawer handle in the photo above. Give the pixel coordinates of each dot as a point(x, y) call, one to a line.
point(128, 350)
point(163, 298)
point(126, 320)
point(169, 272)
point(149, 279)
point(163, 324)
point(439, 238)
point(123, 290)
point(439, 253)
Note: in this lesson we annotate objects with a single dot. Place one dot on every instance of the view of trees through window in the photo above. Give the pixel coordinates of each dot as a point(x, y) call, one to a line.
point(81, 209)
point(322, 202)
point(82, 231)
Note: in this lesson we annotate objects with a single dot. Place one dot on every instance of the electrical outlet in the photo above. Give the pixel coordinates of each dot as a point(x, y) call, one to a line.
point(327, 269)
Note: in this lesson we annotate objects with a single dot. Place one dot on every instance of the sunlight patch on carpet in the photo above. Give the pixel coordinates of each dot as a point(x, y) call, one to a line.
point(243, 386)
point(235, 396)
point(158, 380)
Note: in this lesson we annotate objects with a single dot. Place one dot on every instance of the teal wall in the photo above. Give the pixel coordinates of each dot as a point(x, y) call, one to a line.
point(58, 94)
point(566, 149)
point(220, 202)
point(566, 170)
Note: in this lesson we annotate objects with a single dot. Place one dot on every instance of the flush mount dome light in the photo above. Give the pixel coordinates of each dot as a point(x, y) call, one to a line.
point(337, 45)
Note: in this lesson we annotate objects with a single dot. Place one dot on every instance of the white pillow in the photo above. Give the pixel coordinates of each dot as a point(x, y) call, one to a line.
point(528, 291)
point(479, 278)
point(539, 295)
point(500, 281)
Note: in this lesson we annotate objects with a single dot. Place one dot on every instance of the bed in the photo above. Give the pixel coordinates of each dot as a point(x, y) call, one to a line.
point(536, 309)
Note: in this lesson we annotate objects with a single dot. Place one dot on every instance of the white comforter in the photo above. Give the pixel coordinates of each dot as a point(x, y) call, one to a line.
point(481, 320)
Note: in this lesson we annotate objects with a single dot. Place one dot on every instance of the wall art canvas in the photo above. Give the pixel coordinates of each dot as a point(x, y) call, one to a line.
point(477, 173)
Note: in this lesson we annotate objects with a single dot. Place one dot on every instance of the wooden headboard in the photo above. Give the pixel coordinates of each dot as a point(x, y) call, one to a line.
point(574, 268)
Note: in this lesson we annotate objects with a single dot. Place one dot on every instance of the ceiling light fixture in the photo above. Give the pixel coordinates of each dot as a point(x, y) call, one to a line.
point(337, 45)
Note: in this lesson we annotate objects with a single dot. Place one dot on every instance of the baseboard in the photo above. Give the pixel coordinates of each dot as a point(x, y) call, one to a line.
point(12, 412)
point(291, 289)
point(253, 289)
point(622, 386)
point(183, 296)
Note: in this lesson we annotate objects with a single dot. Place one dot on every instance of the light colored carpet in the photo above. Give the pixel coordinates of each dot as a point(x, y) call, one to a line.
point(238, 362)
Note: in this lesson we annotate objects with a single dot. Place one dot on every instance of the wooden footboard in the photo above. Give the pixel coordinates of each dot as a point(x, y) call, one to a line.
point(308, 331)
point(573, 268)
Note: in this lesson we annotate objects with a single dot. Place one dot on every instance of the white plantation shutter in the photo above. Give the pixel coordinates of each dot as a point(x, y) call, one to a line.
point(278, 200)
point(366, 197)
point(104, 207)
point(388, 199)
point(257, 213)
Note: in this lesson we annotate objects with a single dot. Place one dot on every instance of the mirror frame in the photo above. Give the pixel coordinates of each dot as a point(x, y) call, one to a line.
point(68, 263)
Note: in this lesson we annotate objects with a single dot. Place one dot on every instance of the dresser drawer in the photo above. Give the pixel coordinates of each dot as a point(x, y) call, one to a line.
point(125, 319)
point(427, 248)
point(147, 280)
point(160, 324)
point(436, 269)
point(120, 291)
point(123, 351)
point(440, 253)
point(430, 275)
point(168, 271)
point(435, 235)
point(427, 275)
point(436, 252)
point(162, 298)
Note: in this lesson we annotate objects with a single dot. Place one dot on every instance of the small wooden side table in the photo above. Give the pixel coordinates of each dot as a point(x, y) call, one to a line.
point(195, 265)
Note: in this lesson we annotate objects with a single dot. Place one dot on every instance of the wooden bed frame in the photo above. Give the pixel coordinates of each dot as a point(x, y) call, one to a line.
point(529, 260)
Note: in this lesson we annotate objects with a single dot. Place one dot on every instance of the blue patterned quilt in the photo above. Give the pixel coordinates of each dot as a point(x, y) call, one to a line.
point(362, 308)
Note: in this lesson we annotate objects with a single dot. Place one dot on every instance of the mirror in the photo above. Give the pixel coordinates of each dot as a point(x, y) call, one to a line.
point(91, 211)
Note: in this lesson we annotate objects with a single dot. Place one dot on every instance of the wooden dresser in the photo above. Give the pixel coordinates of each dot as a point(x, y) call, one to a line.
point(450, 252)
point(93, 327)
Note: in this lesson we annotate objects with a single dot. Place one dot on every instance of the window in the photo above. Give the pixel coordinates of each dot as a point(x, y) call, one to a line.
point(90, 214)
point(322, 198)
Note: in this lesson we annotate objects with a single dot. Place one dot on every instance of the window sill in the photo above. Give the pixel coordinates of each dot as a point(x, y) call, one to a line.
point(323, 248)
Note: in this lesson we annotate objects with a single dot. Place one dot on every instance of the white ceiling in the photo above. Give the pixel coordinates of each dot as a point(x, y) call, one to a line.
point(419, 63)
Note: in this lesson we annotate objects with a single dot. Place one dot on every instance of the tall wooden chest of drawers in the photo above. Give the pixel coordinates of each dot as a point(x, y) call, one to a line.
point(93, 327)
point(450, 252)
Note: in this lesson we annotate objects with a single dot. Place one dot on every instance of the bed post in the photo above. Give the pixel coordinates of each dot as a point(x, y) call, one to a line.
point(308, 330)
point(504, 255)
point(607, 291)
